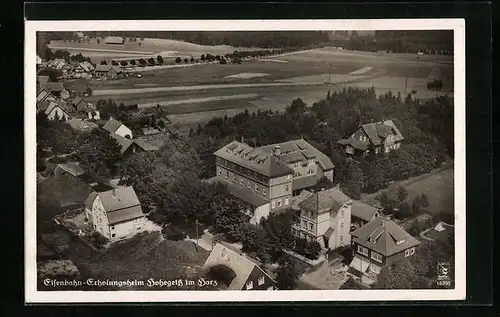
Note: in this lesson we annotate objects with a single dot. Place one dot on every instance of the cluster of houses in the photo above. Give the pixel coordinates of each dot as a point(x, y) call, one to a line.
point(83, 69)
point(284, 176)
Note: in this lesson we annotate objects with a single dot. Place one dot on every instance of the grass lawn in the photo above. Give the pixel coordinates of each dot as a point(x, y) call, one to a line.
point(142, 257)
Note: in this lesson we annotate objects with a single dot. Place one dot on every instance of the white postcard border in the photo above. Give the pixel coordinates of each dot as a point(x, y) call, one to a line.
point(34, 296)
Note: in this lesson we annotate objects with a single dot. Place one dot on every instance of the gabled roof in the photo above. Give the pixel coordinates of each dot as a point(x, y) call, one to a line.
point(42, 105)
point(246, 195)
point(330, 199)
point(112, 125)
point(378, 131)
point(86, 66)
point(300, 150)
point(240, 264)
point(121, 204)
point(81, 125)
point(253, 158)
point(72, 168)
point(386, 234)
point(355, 143)
point(107, 68)
point(145, 146)
point(77, 100)
point(52, 105)
point(363, 211)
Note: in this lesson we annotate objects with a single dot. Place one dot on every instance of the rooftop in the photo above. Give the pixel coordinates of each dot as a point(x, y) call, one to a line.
point(378, 131)
point(389, 238)
point(330, 199)
point(363, 211)
point(112, 125)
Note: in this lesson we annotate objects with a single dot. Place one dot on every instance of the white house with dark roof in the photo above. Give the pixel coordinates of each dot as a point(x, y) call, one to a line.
point(116, 127)
point(381, 242)
point(378, 137)
point(56, 110)
point(115, 214)
point(116, 40)
point(324, 217)
point(236, 270)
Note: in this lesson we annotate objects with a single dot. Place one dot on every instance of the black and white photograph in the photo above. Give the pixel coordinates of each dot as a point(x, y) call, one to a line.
point(221, 159)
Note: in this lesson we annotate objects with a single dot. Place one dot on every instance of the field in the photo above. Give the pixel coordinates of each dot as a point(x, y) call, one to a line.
point(210, 89)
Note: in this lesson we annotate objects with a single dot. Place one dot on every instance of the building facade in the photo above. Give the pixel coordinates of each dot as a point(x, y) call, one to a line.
point(324, 217)
point(379, 243)
point(379, 137)
point(115, 214)
point(114, 126)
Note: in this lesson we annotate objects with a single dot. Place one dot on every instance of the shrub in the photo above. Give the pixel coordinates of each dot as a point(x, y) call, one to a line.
point(223, 61)
point(402, 193)
point(403, 211)
point(313, 250)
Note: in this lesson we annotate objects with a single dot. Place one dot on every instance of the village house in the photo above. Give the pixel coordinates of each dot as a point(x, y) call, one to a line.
point(82, 125)
point(79, 89)
point(53, 110)
point(84, 67)
point(69, 168)
point(381, 242)
point(378, 137)
point(115, 40)
point(115, 214)
point(325, 217)
point(116, 127)
point(236, 270)
point(44, 95)
point(108, 71)
point(56, 89)
point(256, 177)
point(130, 146)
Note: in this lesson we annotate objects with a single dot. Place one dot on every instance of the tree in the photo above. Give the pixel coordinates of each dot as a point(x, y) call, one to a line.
point(186, 60)
point(313, 250)
point(424, 201)
point(277, 227)
point(151, 61)
point(402, 193)
point(192, 59)
point(142, 62)
point(124, 63)
point(401, 275)
point(416, 204)
point(178, 60)
point(403, 211)
point(104, 63)
point(222, 61)
point(287, 273)
point(160, 59)
point(133, 62)
point(202, 57)
point(297, 106)
point(99, 152)
point(53, 73)
point(114, 63)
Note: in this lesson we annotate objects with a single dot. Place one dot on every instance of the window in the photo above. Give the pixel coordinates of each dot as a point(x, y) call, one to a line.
point(310, 171)
point(256, 188)
point(375, 269)
point(227, 174)
point(112, 227)
point(372, 240)
point(273, 204)
point(361, 138)
point(286, 201)
point(242, 182)
point(377, 257)
point(249, 285)
point(341, 238)
point(400, 241)
point(248, 184)
point(264, 191)
point(409, 252)
point(113, 235)
point(362, 250)
point(279, 203)
point(234, 178)
point(311, 226)
point(287, 187)
point(261, 280)
point(138, 228)
point(341, 225)
point(220, 171)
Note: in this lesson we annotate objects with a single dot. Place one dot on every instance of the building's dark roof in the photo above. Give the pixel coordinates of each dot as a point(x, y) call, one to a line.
point(386, 233)
point(42, 105)
point(121, 204)
point(363, 211)
point(112, 125)
point(253, 158)
point(330, 199)
point(296, 200)
point(81, 125)
point(72, 168)
point(300, 150)
point(378, 131)
point(357, 144)
point(145, 146)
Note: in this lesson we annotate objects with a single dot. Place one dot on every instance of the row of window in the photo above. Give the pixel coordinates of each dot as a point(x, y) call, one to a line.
point(392, 147)
point(378, 257)
point(303, 235)
point(256, 187)
point(260, 282)
point(243, 170)
point(277, 203)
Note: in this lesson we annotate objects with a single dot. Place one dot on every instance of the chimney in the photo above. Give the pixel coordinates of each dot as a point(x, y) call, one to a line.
point(276, 150)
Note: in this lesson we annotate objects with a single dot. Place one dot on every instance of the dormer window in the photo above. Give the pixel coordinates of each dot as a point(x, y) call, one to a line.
point(372, 240)
point(400, 242)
